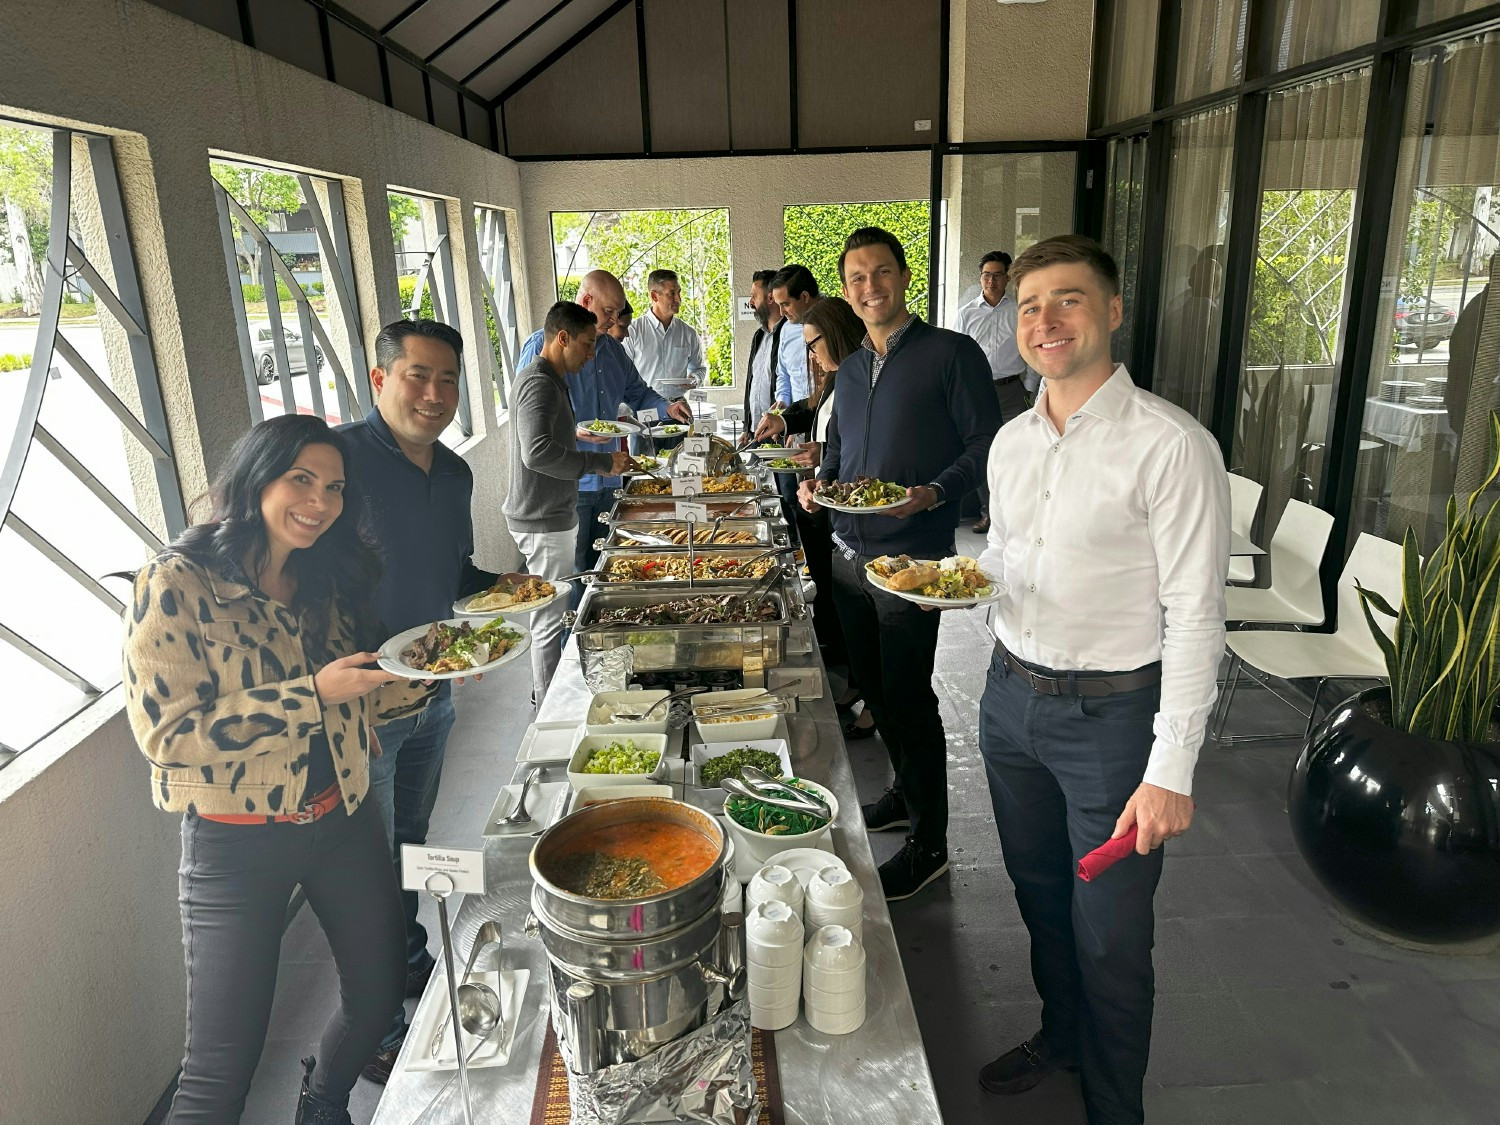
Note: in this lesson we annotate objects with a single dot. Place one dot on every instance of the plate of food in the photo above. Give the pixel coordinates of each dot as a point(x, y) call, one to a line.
point(860, 496)
point(446, 650)
point(647, 462)
point(787, 465)
point(611, 427)
point(951, 582)
point(667, 429)
point(531, 593)
point(768, 450)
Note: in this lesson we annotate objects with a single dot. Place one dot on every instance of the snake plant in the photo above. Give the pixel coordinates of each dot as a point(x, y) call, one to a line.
point(1444, 662)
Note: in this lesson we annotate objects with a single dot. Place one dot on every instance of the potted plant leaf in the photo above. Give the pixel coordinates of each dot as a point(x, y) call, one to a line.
point(1395, 799)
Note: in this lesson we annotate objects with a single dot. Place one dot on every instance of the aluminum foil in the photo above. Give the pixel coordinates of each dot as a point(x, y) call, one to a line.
point(609, 670)
point(704, 1076)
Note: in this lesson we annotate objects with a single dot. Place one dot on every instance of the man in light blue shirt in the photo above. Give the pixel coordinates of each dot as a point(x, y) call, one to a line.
point(597, 391)
point(793, 289)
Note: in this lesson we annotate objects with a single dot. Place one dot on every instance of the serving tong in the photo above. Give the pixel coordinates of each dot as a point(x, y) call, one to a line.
point(757, 785)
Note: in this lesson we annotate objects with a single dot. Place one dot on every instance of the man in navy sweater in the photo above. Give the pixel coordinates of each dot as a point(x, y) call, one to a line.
point(915, 406)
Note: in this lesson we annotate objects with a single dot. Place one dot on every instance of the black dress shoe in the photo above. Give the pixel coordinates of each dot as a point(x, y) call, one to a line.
point(378, 1069)
point(853, 732)
point(982, 525)
point(1023, 1067)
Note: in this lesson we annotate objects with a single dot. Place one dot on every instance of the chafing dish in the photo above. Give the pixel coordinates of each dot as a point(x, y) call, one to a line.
point(722, 457)
point(724, 556)
point(757, 533)
point(665, 508)
point(750, 648)
point(640, 486)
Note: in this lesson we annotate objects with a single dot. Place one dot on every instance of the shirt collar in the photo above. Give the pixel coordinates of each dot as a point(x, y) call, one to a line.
point(656, 322)
point(442, 456)
point(890, 341)
point(1108, 402)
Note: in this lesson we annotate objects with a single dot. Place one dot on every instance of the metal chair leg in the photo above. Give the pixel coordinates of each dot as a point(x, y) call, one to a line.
point(1312, 712)
point(1226, 696)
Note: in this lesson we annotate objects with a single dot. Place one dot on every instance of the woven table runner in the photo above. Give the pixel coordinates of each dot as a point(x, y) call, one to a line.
point(549, 1106)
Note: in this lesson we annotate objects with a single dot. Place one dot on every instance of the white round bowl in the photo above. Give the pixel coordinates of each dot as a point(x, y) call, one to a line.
point(841, 1024)
point(762, 847)
point(774, 1019)
point(840, 981)
point(782, 958)
point(815, 920)
point(834, 948)
point(773, 995)
point(834, 886)
point(833, 1003)
point(774, 883)
point(773, 924)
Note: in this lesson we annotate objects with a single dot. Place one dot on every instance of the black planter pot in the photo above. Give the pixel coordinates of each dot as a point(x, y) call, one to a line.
point(1403, 830)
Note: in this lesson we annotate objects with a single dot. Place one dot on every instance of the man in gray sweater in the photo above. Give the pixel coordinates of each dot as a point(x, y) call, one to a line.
point(541, 508)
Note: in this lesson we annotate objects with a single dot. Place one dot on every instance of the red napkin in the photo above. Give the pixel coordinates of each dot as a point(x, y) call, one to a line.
point(1102, 858)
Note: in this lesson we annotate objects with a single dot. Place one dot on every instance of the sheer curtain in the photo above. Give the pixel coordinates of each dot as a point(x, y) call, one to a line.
point(1128, 73)
point(1304, 30)
point(1122, 228)
point(1197, 226)
point(1310, 166)
point(1210, 46)
point(1434, 377)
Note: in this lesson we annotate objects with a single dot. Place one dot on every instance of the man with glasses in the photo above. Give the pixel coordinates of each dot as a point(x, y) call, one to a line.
point(914, 406)
point(990, 319)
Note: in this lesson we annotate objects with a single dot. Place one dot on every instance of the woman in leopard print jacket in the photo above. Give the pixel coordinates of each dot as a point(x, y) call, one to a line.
point(246, 686)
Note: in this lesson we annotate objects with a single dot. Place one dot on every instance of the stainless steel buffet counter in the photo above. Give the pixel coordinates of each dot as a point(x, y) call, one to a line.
point(876, 1075)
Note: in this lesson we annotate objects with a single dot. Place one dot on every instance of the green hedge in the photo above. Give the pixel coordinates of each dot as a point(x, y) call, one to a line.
point(255, 294)
point(15, 362)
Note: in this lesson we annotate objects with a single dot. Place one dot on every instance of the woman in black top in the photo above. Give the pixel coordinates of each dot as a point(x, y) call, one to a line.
point(831, 332)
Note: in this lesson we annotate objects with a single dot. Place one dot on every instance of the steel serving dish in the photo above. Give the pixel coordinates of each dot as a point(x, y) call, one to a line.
point(766, 532)
point(630, 508)
point(741, 553)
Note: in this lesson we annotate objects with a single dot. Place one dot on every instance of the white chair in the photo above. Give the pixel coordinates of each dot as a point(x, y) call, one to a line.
point(1348, 653)
point(1244, 502)
point(1295, 595)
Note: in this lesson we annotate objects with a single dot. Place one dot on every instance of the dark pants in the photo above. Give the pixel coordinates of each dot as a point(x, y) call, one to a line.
point(235, 882)
point(404, 784)
point(892, 644)
point(786, 485)
point(1060, 770)
point(817, 545)
point(1011, 394)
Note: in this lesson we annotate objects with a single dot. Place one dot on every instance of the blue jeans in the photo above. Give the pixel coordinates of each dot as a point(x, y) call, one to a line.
point(1060, 769)
point(404, 785)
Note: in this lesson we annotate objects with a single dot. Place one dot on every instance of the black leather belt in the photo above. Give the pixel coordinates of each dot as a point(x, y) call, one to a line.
point(1007, 379)
point(1082, 683)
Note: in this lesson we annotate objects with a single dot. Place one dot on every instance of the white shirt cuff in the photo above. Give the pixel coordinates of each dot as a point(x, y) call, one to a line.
point(1171, 767)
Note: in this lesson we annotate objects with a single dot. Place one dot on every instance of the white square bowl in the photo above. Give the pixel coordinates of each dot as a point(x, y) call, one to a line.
point(740, 729)
point(703, 752)
point(591, 742)
point(598, 722)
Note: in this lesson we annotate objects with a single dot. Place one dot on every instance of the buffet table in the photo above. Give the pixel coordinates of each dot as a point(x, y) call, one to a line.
point(877, 1074)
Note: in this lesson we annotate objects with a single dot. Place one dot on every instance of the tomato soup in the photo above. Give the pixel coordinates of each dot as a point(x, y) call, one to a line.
point(636, 859)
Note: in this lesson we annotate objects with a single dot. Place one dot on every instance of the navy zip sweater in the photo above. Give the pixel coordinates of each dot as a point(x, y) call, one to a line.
point(929, 419)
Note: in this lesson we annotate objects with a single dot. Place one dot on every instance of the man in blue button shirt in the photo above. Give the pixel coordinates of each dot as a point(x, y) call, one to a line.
point(418, 498)
point(607, 380)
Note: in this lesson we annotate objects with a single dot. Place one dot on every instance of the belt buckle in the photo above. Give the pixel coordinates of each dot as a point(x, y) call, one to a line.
point(304, 815)
point(1043, 685)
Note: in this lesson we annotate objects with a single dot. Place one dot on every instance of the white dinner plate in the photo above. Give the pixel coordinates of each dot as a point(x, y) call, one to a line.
point(997, 591)
point(390, 652)
point(801, 469)
point(806, 862)
point(625, 427)
point(462, 607)
point(433, 1011)
point(547, 802)
point(769, 452)
point(852, 510)
point(677, 429)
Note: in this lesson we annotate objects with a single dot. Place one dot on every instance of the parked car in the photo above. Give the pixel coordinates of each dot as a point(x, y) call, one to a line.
point(265, 355)
point(1423, 323)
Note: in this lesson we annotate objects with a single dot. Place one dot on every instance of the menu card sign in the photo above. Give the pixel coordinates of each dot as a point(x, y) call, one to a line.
point(692, 511)
point(687, 486)
point(698, 394)
point(442, 870)
point(648, 417)
point(697, 446)
point(691, 464)
point(734, 414)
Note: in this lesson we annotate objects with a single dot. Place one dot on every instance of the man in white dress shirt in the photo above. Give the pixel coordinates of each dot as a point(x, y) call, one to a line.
point(1110, 531)
point(990, 319)
point(666, 349)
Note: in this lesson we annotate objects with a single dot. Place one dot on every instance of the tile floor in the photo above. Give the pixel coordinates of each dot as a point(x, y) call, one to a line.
point(1271, 1008)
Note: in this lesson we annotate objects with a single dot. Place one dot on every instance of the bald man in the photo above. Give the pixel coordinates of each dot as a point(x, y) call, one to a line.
point(597, 391)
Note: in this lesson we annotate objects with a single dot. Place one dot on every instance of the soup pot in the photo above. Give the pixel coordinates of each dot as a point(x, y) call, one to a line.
point(628, 975)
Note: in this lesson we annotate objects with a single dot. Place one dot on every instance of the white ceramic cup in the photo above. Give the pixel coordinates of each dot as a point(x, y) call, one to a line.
point(774, 923)
point(774, 883)
point(834, 887)
point(834, 948)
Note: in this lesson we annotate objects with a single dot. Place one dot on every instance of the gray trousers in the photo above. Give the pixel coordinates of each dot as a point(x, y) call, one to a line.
point(234, 886)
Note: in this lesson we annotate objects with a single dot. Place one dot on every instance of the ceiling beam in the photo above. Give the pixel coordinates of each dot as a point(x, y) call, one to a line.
point(468, 27)
point(578, 37)
point(405, 14)
point(503, 51)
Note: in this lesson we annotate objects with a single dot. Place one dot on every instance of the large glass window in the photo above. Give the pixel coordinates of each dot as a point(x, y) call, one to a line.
point(1426, 418)
point(1123, 214)
point(291, 279)
point(813, 236)
point(1210, 46)
point(492, 228)
point(1305, 30)
point(1187, 338)
point(1430, 11)
point(88, 485)
point(1128, 28)
point(1310, 166)
point(630, 244)
point(428, 281)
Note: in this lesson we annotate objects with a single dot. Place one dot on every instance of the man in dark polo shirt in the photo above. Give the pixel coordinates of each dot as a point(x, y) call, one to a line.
point(418, 497)
point(915, 407)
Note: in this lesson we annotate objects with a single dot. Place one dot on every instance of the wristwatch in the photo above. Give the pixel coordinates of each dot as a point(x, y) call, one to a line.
point(941, 496)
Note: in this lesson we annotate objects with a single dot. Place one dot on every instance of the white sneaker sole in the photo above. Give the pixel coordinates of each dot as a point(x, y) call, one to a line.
point(943, 870)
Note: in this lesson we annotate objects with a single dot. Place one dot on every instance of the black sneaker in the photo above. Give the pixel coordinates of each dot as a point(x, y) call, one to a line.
point(911, 869)
point(887, 813)
point(416, 979)
point(1023, 1067)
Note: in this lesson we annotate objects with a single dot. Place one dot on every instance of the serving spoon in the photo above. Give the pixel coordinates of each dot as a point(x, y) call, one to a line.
point(637, 716)
point(518, 815)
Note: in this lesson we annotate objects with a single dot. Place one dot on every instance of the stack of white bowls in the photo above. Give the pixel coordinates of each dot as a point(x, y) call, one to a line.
point(833, 981)
point(835, 898)
point(774, 883)
point(774, 964)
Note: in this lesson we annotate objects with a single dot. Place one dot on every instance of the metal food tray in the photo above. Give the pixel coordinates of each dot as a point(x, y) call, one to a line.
point(743, 552)
point(750, 648)
point(719, 504)
point(768, 533)
point(763, 491)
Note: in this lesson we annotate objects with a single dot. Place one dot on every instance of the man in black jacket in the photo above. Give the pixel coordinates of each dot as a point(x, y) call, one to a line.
point(915, 407)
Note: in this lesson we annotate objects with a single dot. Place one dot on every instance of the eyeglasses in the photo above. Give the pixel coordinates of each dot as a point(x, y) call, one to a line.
point(813, 341)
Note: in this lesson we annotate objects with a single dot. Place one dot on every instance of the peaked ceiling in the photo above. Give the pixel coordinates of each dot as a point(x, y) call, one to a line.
point(484, 45)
